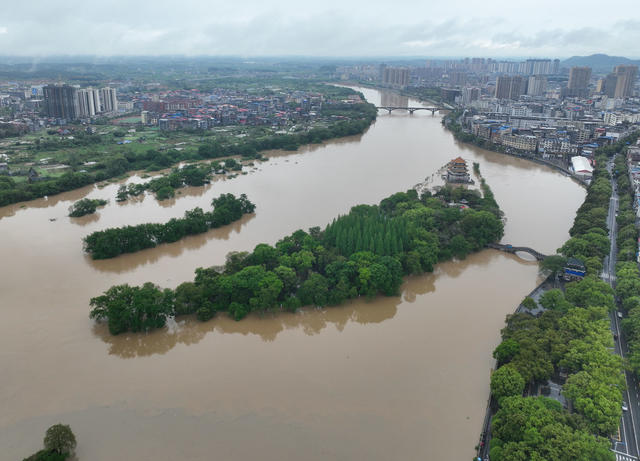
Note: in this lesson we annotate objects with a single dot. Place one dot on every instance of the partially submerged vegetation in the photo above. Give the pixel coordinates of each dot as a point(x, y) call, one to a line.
point(85, 206)
point(59, 444)
point(164, 186)
point(110, 243)
point(364, 253)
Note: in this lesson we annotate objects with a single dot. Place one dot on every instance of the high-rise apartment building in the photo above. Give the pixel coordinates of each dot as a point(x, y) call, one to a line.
point(397, 77)
point(89, 100)
point(607, 85)
point(71, 103)
point(540, 67)
point(457, 78)
point(469, 95)
point(537, 85)
point(626, 77)
point(579, 78)
point(578, 85)
point(61, 101)
point(509, 87)
point(108, 100)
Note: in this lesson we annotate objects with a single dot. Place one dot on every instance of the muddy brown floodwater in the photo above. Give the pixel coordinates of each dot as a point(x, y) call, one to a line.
point(393, 378)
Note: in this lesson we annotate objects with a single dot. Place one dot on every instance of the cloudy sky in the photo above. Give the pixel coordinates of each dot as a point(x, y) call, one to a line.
point(558, 28)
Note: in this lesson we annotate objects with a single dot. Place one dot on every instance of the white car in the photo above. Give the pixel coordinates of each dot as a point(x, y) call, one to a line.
point(624, 406)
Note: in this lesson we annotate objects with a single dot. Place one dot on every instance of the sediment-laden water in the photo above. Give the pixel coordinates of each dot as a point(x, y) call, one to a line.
point(393, 378)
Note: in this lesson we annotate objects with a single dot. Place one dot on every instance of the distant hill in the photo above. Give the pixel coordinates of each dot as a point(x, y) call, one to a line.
point(598, 62)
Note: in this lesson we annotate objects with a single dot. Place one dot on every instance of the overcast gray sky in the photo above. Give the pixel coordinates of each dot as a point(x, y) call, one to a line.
point(550, 28)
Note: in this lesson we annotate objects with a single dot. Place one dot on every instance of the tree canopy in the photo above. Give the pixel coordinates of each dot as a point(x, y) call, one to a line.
point(115, 241)
point(363, 253)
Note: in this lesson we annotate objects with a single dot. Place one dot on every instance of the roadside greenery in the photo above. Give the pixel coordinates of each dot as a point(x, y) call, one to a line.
point(506, 382)
point(85, 206)
point(627, 273)
point(528, 428)
point(573, 337)
point(112, 242)
point(627, 238)
point(589, 240)
point(364, 253)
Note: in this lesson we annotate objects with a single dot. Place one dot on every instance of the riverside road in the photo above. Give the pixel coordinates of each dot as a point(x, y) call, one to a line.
point(627, 448)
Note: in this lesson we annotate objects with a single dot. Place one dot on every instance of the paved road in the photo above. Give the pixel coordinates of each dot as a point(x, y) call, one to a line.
point(629, 428)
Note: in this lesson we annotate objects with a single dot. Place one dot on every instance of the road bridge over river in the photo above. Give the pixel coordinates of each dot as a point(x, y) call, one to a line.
point(512, 249)
point(410, 109)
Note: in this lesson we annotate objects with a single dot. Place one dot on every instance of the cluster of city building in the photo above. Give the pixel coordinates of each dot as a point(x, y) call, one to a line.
point(526, 115)
point(534, 107)
point(34, 107)
point(67, 103)
point(188, 109)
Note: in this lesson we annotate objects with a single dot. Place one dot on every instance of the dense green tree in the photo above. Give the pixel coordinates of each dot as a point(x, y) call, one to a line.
point(112, 242)
point(598, 396)
point(506, 381)
point(527, 428)
point(60, 439)
point(314, 290)
point(506, 350)
point(555, 300)
point(85, 206)
point(590, 291)
point(553, 264)
point(529, 303)
point(46, 455)
point(364, 253)
point(133, 308)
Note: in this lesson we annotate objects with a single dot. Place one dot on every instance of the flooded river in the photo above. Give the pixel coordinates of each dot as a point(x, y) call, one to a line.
point(393, 378)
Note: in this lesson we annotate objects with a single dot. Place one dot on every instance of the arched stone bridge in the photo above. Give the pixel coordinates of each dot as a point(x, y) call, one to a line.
point(511, 249)
point(410, 109)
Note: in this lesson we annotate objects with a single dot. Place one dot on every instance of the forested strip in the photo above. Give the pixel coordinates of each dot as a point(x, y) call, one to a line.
point(571, 336)
point(112, 242)
point(364, 253)
point(627, 238)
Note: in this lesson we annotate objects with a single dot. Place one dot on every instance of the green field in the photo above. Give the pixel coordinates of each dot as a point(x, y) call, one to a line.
point(127, 120)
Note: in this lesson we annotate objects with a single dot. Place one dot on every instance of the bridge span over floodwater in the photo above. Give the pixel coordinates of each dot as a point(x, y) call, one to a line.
point(411, 110)
point(512, 249)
